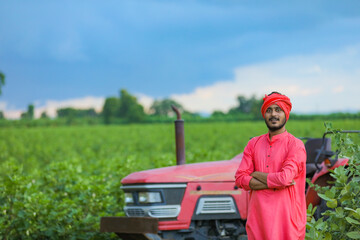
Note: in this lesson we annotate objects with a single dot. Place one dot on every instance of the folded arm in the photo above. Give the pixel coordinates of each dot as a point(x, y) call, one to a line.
point(245, 176)
point(248, 179)
point(262, 177)
point(256, 184)
point(292, 166)
point(246, 167)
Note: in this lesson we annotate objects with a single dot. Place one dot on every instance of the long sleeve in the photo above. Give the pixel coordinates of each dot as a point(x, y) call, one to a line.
point(246, 167)
point(279, 214)
point(293, 165)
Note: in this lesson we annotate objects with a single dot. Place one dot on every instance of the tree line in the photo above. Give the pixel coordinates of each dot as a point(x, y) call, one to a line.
point(126, 109)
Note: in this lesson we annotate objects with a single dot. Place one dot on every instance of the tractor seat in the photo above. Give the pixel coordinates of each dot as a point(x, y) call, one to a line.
point(310, 169)
point(313, 146)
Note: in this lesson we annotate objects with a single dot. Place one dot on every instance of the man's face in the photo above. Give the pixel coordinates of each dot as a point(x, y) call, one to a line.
point(275, 118)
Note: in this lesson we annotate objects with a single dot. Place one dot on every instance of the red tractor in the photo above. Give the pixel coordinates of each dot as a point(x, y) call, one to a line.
point(200, 201)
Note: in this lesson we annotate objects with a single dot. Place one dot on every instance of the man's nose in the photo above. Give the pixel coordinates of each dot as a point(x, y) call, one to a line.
point(273, 113)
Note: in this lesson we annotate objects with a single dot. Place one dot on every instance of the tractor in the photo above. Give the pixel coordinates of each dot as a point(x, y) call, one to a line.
point(200, 201)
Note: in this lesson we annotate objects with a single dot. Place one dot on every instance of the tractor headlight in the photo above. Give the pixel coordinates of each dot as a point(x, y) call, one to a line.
point(149, 197)
point(129, 198)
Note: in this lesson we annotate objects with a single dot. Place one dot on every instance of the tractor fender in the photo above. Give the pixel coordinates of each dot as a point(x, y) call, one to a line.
point(322, 178)
point(311, 194)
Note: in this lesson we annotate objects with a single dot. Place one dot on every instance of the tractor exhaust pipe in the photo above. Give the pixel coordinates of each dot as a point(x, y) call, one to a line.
point(179, 137)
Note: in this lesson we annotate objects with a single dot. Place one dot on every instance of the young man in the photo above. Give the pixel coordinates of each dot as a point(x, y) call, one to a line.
point(273, 169)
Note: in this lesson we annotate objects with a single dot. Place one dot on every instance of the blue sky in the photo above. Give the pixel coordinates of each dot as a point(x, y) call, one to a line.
point(200, 53)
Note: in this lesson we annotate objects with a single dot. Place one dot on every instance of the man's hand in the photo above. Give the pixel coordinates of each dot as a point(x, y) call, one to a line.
point(261, 176)
point(255, 184)
point(259, 181)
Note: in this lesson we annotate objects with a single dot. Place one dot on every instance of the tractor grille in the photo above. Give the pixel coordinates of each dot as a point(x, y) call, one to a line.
point(135, 212)
point(216, 205)
point(165, 211)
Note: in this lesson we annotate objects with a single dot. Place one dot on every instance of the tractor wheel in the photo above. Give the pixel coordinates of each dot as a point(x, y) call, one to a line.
point(320, 209)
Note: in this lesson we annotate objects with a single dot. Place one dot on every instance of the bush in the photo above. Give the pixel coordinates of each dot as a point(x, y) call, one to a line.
point(342, 221)
point(61, 204)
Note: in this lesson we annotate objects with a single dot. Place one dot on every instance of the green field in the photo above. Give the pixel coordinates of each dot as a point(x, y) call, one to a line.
point(56, 182)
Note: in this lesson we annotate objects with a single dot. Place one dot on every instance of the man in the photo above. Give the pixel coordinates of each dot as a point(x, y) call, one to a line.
point(273, 169)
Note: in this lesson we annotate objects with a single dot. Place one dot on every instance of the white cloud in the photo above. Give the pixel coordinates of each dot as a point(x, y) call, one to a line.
point(338, 89)
point(2, 106)
point(314, 69)
point(13, 114)
point(219, 96)
point(9, 114)
point(51, 106)
point(314, 83)
point(145, 101)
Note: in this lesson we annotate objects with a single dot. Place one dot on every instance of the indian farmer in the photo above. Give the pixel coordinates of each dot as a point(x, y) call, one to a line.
point(273, 169)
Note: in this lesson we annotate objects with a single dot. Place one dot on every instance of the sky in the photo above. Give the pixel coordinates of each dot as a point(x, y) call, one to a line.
point(203, 54)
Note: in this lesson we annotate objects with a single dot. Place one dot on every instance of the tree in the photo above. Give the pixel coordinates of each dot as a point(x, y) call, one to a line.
point(163, 107)
point(110, 109)
point(129, 108)
point(244, 104)
point(75, 113)
point(136, 113)
point(44, 115)
point(250, 105)
point(30, 112)
point(2, 81)
point(217, 114)
point(256, 107)
point(66, 112)
point(24, 115)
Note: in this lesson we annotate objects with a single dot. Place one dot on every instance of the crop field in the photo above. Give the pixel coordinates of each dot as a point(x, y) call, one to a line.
point(56, 182)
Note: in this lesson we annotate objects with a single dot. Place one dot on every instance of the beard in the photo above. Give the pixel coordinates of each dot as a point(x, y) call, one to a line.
point(275, 128)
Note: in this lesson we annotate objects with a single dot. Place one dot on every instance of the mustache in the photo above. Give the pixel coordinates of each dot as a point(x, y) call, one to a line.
point(274, 118)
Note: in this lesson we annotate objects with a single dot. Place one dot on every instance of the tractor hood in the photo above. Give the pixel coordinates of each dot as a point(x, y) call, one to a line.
point(196, 172)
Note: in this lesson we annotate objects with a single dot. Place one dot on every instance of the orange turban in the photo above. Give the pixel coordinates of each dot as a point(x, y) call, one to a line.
point(281, 100)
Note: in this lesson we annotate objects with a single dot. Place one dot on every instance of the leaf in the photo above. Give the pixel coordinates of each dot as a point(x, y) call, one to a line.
point(332, 203)
point(334, 226)
point(357, 211)
point(356, 179)
point(330, 194)
point(340, 212)
point(352, 221)
point(323, 196)
point(353, 235)
point(320, 225)
point(327, 236)
point(349, 209)
point(328, 126)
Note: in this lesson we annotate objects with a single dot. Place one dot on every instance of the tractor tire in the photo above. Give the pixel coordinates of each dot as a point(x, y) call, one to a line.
point(320, 209)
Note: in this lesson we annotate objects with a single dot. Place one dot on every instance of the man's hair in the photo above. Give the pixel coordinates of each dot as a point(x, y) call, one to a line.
point(274, 93)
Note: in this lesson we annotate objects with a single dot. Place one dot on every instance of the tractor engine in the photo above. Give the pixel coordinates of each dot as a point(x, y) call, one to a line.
point(191, 201)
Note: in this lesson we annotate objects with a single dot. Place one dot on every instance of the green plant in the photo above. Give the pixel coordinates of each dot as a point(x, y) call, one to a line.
point(342, 221)
point(56, 182)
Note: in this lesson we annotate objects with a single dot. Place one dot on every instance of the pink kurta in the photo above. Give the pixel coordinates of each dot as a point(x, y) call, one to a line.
point(280, 211)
